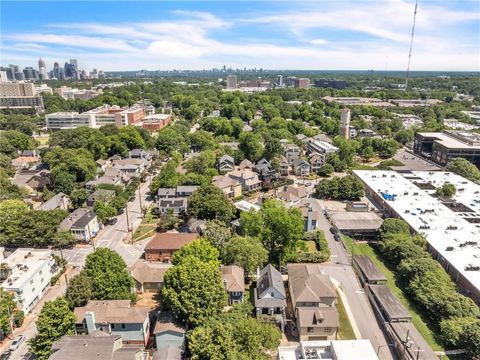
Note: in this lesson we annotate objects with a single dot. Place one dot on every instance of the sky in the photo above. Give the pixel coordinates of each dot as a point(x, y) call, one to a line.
point(303, 35)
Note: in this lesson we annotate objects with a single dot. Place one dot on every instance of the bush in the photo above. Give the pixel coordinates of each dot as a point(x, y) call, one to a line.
point(18, 318)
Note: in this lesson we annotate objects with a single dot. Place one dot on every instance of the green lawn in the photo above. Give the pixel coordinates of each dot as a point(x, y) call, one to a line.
point(418, 322)
point(147, 227)
point(345, 331)
point(311, 245)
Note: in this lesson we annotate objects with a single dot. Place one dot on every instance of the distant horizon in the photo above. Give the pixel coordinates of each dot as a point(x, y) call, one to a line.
point(309, 35)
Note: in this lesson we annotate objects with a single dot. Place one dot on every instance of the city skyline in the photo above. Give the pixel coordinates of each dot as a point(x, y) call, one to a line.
point(191, 35)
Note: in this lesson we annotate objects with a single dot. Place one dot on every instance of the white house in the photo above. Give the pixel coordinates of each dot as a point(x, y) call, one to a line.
point(27, 273)
point(83, 223)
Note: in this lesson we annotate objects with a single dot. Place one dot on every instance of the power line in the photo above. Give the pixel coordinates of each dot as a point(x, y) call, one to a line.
point(411, 44)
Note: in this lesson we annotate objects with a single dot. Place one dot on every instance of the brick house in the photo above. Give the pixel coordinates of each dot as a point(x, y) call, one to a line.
point(163, 245)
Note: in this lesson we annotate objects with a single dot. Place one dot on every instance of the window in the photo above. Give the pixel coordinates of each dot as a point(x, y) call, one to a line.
point(113, 326)
point(310, 329)
point(123, 326)
point(327, 329)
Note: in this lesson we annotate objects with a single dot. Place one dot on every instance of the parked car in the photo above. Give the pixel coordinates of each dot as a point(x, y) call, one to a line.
point(16, 342)
point(5, 355)
point(333, 230)
point(112, 221)
point(337, 237)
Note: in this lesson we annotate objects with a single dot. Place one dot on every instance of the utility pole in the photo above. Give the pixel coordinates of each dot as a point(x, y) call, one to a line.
point(140, 198)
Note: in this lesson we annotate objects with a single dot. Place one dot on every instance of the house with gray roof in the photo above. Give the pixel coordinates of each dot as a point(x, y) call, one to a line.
point(59, 201)
point(226, 163)
point(269, 294)
point(169, 336)
point(83, 224)
point(114, 317)
point(97, 345)
point(139, 154)
point(313, 299)
point(301, 167)
point(103, 195)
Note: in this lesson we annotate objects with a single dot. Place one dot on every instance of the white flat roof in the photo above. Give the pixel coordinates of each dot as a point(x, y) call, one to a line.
point(329, 350)
point(411, 202)
point(324, 145)
point(24, 263)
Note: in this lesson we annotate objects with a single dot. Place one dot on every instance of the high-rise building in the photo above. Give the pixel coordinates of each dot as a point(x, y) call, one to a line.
point(302, 83)
point(58, 72)
point(70, 71)
point(9, 73)
point(17, 74)
point(42, 69)
point(345, 123)
point(280, 80)
point(12, 89)
point(231, 81)
point(3, 76)
point(19, 95)
point(30, 73)
point(74, 62)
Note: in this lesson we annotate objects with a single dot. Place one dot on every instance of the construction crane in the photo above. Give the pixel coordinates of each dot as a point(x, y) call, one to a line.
point(411, 44)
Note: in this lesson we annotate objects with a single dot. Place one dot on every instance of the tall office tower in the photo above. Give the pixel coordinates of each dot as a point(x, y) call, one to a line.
point(8, 72)
point(280, 80)
point(58, 72)
point(302, 83)
point(70, 71)
point(345, 123)
point(74, 62)
point(17, 74)
point(231, 81)
point(42, 69)
point(3, 76)
point(30, 73)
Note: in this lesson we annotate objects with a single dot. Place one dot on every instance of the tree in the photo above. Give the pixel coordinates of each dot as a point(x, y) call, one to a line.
point(326, 170)
point(367, 153)
point(470, 339)
point(167, 221)
point(109, 276)
point(198, 164)
point(404, 136)
point(104, 211)
point(194, 290)
point(209, 202)
point(278, 228)
point(247, 252)
point(79, 290)
point(199, 248)
point(55, 320)
point(340, 188)
point(12, 141)
point(447, 189)
point(212, 342)
point(464, 168)
point(251, 146)
point(7, 308)
point(394, 226)
point(11, 213)
point(78, 197)
point(63, 239)
point(218, 234)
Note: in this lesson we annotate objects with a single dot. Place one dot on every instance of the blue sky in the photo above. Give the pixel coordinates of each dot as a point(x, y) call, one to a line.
point(340, 34)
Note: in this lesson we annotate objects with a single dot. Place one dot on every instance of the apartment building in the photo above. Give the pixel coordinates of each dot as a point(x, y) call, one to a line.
point(26, 273)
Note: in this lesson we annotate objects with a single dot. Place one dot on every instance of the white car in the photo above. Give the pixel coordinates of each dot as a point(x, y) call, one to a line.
point(16, 342)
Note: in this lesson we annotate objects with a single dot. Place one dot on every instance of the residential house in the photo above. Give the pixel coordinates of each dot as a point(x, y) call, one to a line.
point(269, 294)
point(103, 165)
point(311, 217)
point(148, 276)
point(26, 273)
point(316, 162)
point(97, 345)
point(174, 199)
point(248, 178)
point(33, 180)
point(313, 299)
point(245, 164)
point(226, 163)
point(114, 317)
point(266, 172)
point(233, 277)
point(230, 187)
point(169, 336)
point(186, 190)
point(139, 154)
point(163, 245)
point(284, 166)
point(301, 167)
point(25, 162)
point(58, 201)
point(104, 180)
point(175, 205)
point(131, 167)
point(30, 153)
point(83, 224)
point(103, 195)
point(292, 153)
point(292, 193)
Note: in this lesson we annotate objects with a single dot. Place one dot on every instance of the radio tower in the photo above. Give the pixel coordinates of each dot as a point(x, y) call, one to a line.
point(411, 44)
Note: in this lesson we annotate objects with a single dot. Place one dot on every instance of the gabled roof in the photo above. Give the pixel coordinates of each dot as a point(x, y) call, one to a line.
point(308, 284)
point(270, 278)
point(226, 157)
point(234, 278)
point(98, 345)
point(300, 162)
point(149, 272)
point(324, 317)
point(245, 164)
point(54, 202)
point(167, 322)
point(77, 219)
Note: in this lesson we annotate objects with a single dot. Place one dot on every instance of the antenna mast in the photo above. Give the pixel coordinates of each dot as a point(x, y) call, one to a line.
point(411, 44)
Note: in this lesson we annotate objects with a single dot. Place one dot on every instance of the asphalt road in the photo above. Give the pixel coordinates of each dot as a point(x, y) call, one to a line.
point(112, 236)
point(340, 269)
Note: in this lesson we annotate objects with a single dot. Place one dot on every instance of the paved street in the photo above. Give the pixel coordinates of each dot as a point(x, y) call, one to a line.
point(341, 270)
point(112, 237)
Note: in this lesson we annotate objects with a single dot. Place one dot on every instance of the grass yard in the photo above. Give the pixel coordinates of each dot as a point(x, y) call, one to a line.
point(418, 322)
point(345, 330)
point(147, 227)
point(311, 245)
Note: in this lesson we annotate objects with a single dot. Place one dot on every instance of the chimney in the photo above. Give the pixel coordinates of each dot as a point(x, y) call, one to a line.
point(90, 321)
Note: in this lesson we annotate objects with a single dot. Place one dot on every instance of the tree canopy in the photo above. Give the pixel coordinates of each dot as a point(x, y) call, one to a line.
point(199, 248)
point(209, 202)
point(247, 252)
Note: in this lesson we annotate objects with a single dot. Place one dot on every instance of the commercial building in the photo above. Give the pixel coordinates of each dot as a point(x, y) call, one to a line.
point(19, 95)
point(15, 89)
point(155, 122)
point(415, 102)
point(329, 350)
point(335, 84)
point(71, 94)
point(451, 226)
point(231, 81)
point(26, 274)
point(321, 147)
point(95, 118)
point(441, 147)
point(356, 101)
